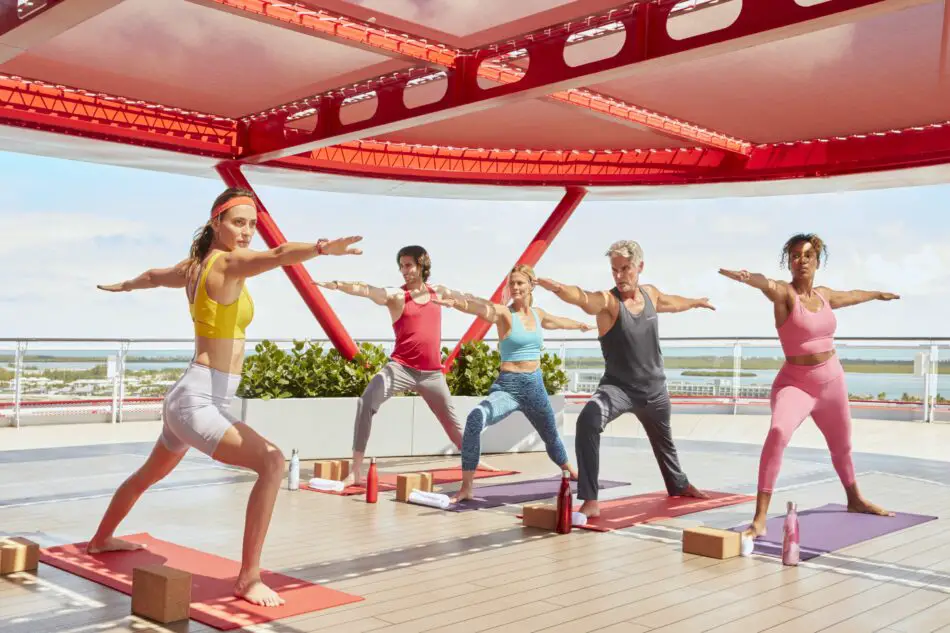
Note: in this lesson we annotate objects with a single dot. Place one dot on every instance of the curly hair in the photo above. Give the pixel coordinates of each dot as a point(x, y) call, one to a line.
point(821, 250)
point(418, 255)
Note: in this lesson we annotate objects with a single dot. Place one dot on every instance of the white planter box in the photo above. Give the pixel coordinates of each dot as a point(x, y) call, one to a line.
point(322, 428)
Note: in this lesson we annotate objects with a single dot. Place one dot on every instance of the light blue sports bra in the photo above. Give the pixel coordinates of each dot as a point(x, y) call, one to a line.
point(520, 344)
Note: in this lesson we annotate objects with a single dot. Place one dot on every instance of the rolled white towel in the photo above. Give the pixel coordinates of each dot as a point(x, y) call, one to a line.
point(747, 544)
point(326, 484)
point(431, 499)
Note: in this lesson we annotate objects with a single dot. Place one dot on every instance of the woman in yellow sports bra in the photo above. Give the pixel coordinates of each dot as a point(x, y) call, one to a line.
point(195, 410)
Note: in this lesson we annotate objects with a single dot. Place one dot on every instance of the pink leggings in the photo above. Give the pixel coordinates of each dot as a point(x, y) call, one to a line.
point(798, 391)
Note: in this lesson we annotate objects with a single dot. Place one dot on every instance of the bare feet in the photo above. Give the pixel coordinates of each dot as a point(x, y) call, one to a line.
point(693, 491)
point(353, 479)
point(864, 506)
point(590, 508)
point(465, 493)
point(112, 544)
point(486, 466)
point(755, 530)
point(256, 592)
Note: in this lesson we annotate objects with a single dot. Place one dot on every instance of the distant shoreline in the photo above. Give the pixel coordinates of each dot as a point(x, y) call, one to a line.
point(715, 373)
point(720, 363)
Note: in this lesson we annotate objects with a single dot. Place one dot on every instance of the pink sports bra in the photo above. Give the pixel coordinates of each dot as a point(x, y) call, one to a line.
point(805, 332)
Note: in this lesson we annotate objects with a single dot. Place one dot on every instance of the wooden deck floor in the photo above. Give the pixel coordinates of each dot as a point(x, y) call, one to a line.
point(420, 569)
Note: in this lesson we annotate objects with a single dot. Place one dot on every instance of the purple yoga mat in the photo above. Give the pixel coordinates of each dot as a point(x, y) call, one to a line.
point(830, 528)
point(520, 492)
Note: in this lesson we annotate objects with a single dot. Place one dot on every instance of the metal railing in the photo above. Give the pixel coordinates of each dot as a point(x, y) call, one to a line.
point(44, 376)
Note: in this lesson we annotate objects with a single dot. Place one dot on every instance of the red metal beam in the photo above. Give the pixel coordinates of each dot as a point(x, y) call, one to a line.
point(647, 44)
point(26, 25)
point(231, 173)
point(549, 230)
point(55, 108)
point(71, 111)
point(920, 146)
point(324, 24)
point(497, 166)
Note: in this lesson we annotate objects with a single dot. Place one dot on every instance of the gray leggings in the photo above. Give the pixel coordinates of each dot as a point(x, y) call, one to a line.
point(607, 404)
point(394, 378)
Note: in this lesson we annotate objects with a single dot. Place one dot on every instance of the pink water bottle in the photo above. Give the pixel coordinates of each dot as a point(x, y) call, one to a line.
point(790, 543)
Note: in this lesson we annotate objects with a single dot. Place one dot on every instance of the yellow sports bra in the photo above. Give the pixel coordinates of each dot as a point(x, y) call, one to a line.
point(213, 320)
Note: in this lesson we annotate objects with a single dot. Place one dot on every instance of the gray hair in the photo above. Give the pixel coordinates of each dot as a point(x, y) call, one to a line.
point(628, 249)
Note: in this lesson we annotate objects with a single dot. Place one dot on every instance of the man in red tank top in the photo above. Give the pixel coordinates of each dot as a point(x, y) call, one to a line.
point(416, 360)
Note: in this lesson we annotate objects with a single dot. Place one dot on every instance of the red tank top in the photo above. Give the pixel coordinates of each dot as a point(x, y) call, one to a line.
point(419, 334)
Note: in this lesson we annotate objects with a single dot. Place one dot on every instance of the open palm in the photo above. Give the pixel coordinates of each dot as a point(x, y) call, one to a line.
point(342, 246)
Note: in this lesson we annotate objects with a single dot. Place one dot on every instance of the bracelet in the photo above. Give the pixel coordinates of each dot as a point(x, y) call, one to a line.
point(320, 248)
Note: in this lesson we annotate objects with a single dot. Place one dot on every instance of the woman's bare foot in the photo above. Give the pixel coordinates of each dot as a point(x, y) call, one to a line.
point(755, 530)
point(864, 506)
point(353, 479)
point(693, 491)
point(486, 466)
point(256, 592)
point(112, 544)
point(464, 494)
point(590, 508)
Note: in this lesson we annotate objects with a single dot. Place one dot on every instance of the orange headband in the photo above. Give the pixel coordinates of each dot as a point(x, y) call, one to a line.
point(233, 202)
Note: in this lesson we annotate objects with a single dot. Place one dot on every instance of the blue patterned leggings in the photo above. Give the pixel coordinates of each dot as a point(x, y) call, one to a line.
point(513, 391)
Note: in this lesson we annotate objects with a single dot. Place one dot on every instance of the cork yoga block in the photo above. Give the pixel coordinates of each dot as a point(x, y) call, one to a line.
point(407, 482)
point(18, 554)
point(711, 542)
point(161, 593)
point(323, 469)
point(540, 515)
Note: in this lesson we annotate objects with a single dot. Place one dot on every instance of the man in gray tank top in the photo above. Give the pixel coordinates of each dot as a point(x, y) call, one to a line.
point(634, 380)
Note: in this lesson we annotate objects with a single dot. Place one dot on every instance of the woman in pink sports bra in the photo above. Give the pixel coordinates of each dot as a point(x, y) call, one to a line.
point(812, 381)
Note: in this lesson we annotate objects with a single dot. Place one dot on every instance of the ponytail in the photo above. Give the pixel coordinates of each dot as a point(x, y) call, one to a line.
point(201, 244)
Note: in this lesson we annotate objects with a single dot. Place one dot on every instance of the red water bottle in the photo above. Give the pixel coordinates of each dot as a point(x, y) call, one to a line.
point(565, 504)
point(372, 482)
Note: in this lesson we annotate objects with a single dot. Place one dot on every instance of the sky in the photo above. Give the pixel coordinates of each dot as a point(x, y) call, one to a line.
point(70, 225)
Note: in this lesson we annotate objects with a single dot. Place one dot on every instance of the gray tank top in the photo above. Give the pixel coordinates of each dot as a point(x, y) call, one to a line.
point(631, 350)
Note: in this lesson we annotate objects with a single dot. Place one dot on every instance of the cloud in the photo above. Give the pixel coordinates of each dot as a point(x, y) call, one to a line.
point(56, 230)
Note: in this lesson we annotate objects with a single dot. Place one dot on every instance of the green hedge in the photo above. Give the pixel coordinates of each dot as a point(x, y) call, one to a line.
point(310, 371)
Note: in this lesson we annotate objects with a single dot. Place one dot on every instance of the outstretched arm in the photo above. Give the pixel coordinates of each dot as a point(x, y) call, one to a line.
point(245, 263)
point(551, 322)
point(173, 277)
point(676, 303)
point(845, 298)
point(491, 312)
point(775, 290)
point(589, 302)
point(377, 295)
point(444, 292)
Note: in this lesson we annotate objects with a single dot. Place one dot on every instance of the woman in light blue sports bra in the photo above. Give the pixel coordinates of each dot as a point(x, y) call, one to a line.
point(520, 385)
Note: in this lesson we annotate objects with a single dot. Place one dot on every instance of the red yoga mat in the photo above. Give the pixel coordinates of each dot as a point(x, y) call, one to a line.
point(387, 481)
point(212, 600)
point(617, 514)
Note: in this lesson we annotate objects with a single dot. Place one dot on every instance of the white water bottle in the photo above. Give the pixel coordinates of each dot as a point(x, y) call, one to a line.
point(293, 476)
